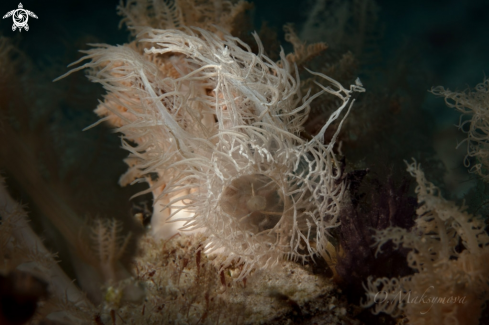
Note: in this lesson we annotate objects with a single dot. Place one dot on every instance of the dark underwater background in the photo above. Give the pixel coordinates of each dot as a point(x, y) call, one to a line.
point(445, 39)
point(428, 43)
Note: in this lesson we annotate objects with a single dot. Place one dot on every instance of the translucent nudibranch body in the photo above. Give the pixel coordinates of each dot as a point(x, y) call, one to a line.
point(214, 128)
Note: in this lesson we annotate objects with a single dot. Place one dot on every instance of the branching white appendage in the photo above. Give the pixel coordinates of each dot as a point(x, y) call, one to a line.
point(214, 129)
point(108, 246)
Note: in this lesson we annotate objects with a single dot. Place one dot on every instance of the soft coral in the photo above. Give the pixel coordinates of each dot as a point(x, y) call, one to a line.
point(448, 250)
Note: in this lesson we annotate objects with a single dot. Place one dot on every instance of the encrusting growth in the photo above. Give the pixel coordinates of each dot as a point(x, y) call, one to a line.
point(214, 129)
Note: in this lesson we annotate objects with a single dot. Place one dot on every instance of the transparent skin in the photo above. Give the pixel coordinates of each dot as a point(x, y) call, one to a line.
point(255, 201)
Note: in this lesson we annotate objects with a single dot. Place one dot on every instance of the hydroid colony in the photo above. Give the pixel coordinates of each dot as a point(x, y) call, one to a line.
point(473, 107)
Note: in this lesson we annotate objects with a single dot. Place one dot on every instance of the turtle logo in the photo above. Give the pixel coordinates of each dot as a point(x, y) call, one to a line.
point(20, 17)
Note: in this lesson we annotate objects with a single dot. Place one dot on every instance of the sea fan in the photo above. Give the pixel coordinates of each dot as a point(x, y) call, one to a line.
point(214, 129)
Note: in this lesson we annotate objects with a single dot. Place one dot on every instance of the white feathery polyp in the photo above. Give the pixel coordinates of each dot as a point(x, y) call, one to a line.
point(214, 129)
